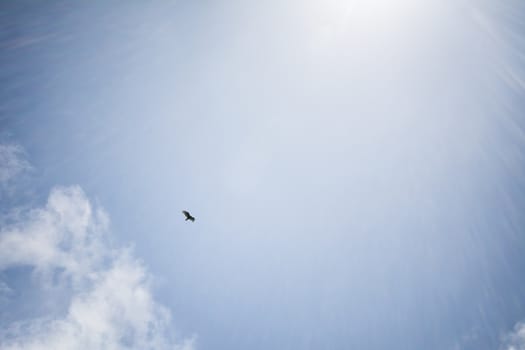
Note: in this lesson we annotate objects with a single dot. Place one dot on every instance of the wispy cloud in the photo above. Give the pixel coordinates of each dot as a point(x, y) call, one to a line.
point(65, 243)
point(514, 340)
point(12, 162)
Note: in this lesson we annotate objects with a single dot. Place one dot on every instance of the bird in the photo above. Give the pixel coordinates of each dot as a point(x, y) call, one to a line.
point(188, 216)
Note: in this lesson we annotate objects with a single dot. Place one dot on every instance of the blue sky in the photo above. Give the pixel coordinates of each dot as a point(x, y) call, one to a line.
point(355, 168)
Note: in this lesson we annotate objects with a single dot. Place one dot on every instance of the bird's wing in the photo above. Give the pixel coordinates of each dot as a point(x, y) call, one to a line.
point(186, 214)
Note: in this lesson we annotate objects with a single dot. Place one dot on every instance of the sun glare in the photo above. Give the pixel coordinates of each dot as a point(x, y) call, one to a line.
point(369, 15)
point(338, 23)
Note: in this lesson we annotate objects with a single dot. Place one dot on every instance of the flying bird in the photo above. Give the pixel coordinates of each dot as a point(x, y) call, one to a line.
point(188, 216)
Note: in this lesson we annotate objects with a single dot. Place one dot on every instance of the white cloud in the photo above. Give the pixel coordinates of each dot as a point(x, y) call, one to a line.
point(11, 162)
point(514, 340)
point(111, 304)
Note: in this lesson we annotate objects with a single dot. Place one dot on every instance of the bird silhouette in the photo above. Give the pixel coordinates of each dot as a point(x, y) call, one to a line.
point(188, 216)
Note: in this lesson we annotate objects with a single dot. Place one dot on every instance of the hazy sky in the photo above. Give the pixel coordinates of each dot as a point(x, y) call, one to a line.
point(356, 169)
